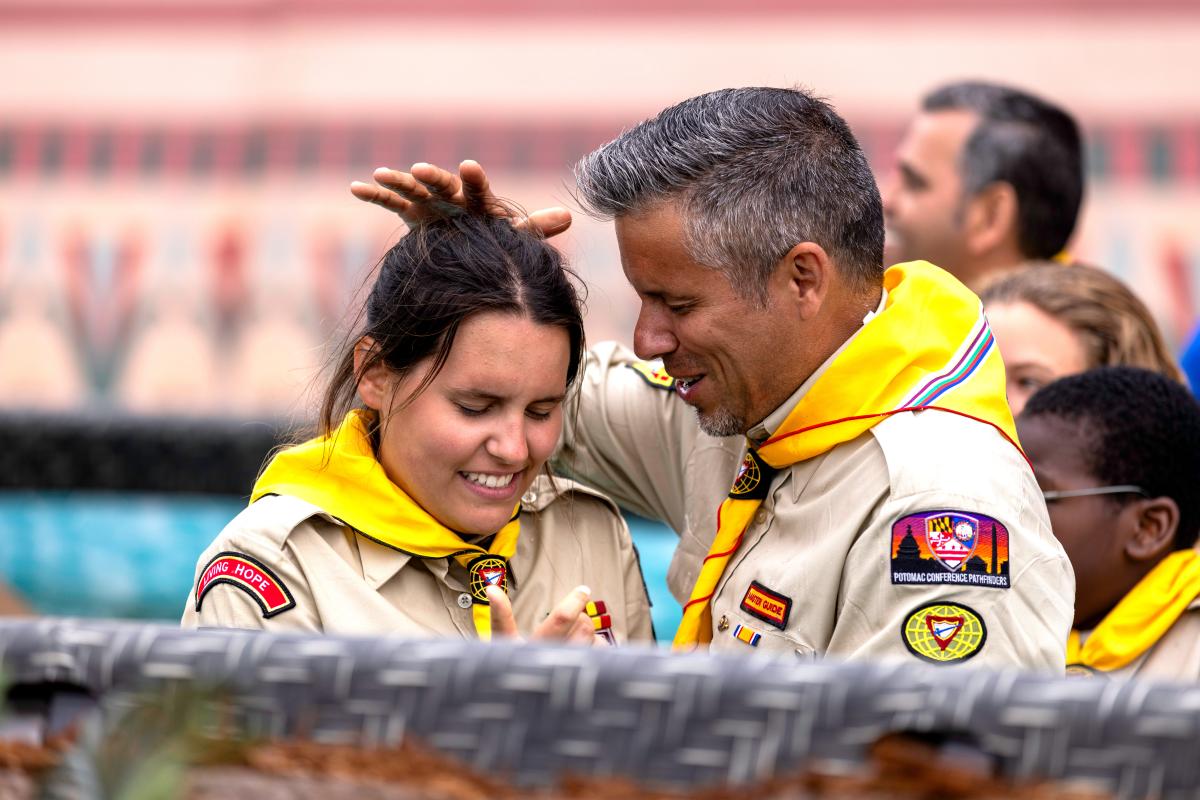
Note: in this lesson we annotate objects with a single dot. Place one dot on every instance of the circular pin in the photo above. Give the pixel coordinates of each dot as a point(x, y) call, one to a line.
point(723, 623)
point(487, 570)
point(464, 600)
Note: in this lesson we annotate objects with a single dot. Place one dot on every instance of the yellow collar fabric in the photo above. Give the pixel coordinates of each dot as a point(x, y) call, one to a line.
point(340, 474)
point(930, 348)
point(1141, 618)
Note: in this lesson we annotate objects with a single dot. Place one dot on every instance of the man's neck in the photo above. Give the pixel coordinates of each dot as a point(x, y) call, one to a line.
point(991, 267)
point(848, 323)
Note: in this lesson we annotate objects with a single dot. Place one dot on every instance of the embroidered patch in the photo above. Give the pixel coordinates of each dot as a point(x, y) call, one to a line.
point(249, 575)
point(601, 620)
point(950, 547)
point(943, 632)
point(769, 606)
point(753, 479)
point(656, 376)
point(488, 571)
point(747, 635)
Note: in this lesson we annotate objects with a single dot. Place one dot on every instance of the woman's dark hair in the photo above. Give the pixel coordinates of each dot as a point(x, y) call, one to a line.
point(438, 275)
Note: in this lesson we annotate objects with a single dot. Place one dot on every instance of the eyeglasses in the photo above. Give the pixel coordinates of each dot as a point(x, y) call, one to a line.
point(1051, 496)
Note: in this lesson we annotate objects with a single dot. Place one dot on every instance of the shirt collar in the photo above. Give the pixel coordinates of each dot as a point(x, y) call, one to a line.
point(380, 563)
point(763, 430)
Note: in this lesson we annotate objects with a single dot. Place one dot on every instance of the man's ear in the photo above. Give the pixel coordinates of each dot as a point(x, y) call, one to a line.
point(990, 219)
point(806, 272)
point(1156, 521)
point(375, 383)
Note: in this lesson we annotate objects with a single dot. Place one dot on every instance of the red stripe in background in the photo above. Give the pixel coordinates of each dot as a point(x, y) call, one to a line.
point(25, 156)
point(1128, 153)
point(126, 145)
point(1186, 142)
point(75, 150)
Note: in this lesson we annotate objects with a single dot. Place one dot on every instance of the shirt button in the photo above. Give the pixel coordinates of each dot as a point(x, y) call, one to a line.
point(723, 623)
point(464, 600)
point(529, 498)
point(761, 516)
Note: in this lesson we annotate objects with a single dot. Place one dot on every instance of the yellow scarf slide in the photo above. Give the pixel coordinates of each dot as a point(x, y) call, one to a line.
point(1142, 617)
point(930, 348)
point(341, 475)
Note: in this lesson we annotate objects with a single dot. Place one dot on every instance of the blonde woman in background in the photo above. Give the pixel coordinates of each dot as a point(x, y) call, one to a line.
point(1051, 321)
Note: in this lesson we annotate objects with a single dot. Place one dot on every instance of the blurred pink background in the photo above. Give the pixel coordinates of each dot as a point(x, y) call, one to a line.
point(176, 230)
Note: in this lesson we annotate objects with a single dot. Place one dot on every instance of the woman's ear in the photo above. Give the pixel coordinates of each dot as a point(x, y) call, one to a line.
point(1157, 520)
point(376, 381)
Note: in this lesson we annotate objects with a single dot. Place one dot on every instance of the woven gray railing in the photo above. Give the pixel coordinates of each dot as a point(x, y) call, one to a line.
point(534, 712)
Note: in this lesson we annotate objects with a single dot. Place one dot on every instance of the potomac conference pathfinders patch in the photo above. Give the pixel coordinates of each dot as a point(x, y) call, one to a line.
point(956, 548)
point(251, 576)
point(943, 632)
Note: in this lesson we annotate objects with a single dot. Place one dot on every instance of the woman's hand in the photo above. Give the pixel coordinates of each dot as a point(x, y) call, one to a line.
point(567, 622)
point(423, 194)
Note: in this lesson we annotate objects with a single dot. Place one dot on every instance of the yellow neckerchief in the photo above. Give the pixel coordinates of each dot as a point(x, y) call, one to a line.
point(929, 348)
point(1142, 617)
point(340, 475)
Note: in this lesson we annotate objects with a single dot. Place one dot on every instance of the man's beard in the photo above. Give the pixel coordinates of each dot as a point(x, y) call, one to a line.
point(721, 422)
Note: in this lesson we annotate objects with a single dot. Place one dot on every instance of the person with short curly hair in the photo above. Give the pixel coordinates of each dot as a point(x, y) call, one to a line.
point(1117, 453)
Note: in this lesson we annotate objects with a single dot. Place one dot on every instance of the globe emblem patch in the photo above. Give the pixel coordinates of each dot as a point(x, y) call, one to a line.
point(944, 632)
point(748, 476)
point(488, 571)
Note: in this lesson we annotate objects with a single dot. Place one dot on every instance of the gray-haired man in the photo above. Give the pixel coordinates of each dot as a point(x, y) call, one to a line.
point(879, 509)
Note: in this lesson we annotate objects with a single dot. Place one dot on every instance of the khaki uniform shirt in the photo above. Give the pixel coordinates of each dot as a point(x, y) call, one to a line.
point(819, 551)
point(1174, 657)
point(343, 582)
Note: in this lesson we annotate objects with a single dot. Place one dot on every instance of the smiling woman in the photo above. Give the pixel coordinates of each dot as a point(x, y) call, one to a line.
point(425, 506)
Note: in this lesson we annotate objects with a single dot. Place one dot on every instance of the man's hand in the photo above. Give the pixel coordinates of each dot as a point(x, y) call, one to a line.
point(567, 622)
point(426, 191)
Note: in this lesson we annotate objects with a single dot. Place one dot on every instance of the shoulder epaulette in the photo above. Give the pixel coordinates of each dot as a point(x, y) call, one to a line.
point(655, 376)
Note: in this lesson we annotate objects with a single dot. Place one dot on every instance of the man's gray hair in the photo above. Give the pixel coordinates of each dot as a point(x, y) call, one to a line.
point(756, 171)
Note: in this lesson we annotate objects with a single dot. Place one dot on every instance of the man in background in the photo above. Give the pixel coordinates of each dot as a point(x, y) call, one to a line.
point(986, 178)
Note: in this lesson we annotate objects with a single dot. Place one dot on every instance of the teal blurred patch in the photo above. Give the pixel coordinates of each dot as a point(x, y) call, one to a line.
point(656, 544)
point(107, 555)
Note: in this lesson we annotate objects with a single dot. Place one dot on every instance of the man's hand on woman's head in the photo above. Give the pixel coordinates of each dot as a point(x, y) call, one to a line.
point(567, 622)
point(425, 191)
